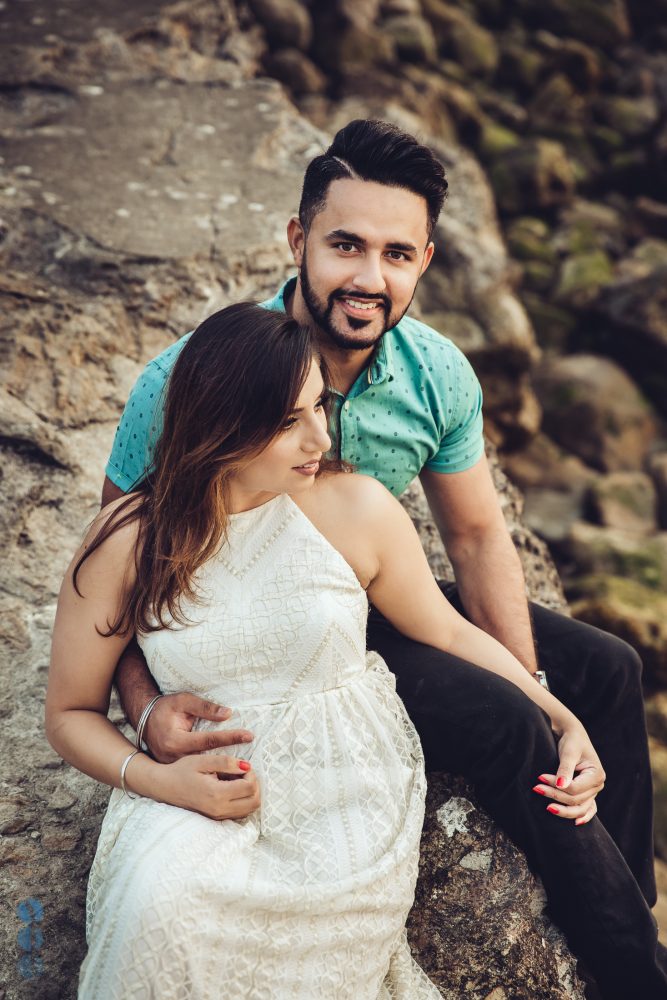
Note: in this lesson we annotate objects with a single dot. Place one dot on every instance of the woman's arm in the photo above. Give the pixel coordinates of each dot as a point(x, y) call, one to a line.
point(404, 590)
point(80, 677)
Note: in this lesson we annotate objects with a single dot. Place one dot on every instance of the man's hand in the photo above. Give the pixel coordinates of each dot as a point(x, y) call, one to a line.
point(574, 797)
point(169, 735)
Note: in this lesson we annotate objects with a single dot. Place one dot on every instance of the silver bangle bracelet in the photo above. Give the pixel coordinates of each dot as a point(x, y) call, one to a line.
point(123, 769)
point(143, 719)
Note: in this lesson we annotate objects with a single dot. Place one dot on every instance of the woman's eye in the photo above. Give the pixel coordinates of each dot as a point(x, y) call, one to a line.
point(288, 423)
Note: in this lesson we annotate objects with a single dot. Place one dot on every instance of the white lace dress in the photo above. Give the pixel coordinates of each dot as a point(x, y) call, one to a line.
point(307, 898)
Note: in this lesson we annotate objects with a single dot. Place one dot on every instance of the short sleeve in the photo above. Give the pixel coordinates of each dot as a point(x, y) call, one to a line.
point(462, 444)
point(139, 429)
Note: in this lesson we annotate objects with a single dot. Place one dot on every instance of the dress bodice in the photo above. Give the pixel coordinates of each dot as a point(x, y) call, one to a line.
point(281, 615)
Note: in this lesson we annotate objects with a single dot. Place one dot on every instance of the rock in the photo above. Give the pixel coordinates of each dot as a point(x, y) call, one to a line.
point(556, 101)
point(286, 22)
point(624, 554)
point(413, 37)
point(585, 226)
point(593, 409)
point(464, 858)
point(579, 62)
point(646, 255)
point(581, 278)
point(624, 500)
point(634, 311)
point(495, 139)
point(299, 73)
point(653, 215)
point(658, 471)
point(345, 42)
point(536, 175)
point(554, 485)
point(633, 117)
point(553, 325)
point(520, 66)
point(659, 769)
point(528, 239)
point(461, 38)
point(629, 610)
point(656, 716)
point(597, 22)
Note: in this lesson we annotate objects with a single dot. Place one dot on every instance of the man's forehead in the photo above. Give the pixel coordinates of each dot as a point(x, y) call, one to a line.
point(368, 208)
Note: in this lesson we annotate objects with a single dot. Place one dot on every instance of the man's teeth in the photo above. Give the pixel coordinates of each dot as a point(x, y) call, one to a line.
point(356, 304)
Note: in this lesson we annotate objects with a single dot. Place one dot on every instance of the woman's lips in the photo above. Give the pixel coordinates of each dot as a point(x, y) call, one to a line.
point(309, 469)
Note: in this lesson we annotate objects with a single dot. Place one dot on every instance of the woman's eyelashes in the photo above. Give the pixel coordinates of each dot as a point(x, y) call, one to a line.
point(319, 405)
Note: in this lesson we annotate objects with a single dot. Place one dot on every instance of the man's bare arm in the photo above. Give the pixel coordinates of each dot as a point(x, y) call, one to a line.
point(168, 732)
point(110, 492)
point(489, 574)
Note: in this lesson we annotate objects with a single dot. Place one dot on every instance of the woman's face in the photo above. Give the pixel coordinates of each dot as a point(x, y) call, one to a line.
point(289, 463)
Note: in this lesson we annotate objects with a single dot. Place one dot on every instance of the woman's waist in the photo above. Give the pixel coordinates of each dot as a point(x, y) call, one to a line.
point(270, 697)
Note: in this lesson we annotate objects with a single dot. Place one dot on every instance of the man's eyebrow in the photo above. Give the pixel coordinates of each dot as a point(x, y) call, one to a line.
point(347, 237)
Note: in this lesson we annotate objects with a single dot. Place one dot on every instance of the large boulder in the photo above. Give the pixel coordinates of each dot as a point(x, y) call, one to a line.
point(634, 311)
point(593, 409)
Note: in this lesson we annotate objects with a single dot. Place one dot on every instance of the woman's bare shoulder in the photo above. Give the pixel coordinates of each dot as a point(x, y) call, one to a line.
point(349, 500)
point(111, 539)
point(355, 489)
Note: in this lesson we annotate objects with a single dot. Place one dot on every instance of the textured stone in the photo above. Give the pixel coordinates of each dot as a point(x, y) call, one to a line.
point(599, 550)
point(625, 500)
point(538, 174)
point(286, 22)
point(629, 610)
point(634, 310)
point(594, 410)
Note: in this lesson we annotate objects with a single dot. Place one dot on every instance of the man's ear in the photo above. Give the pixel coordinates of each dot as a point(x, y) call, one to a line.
point(428, 257)
point(296, 238)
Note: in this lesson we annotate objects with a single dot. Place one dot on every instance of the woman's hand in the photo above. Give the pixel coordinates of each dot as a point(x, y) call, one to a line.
point(574, 797)
point(214, 785)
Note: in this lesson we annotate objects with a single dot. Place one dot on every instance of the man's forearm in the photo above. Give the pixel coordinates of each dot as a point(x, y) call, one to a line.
point(134, 682)
point(492, 588)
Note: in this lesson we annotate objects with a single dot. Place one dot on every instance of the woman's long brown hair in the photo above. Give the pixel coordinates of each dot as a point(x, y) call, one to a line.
point(232, 388)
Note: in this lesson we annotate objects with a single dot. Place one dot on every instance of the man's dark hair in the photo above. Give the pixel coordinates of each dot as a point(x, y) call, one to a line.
point(374, 151)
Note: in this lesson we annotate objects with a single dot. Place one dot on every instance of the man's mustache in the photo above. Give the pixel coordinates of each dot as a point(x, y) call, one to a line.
point(341, 293)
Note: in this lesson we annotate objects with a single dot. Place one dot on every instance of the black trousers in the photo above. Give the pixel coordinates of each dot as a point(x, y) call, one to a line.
point(598, 877)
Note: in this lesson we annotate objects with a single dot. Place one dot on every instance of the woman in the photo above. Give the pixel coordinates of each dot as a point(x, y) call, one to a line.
point(243, 564)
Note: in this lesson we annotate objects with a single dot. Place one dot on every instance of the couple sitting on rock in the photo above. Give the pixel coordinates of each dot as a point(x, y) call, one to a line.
point(241, 550)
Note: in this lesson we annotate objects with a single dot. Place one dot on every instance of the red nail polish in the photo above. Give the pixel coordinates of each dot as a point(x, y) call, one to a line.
point(540, 791)
point(244, 765)
point(560, 782)
point(553, 809)
point(543, 778)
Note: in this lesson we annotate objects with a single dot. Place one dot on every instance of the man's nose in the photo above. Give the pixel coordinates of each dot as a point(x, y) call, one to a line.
point(369, 277)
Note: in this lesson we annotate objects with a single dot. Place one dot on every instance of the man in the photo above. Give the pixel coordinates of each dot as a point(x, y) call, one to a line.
point(407, 403)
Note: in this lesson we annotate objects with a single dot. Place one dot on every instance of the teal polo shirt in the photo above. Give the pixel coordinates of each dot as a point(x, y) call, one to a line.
point(417, 406)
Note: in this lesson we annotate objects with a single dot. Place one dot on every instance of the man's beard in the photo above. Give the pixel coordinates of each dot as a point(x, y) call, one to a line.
point(322, 314)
